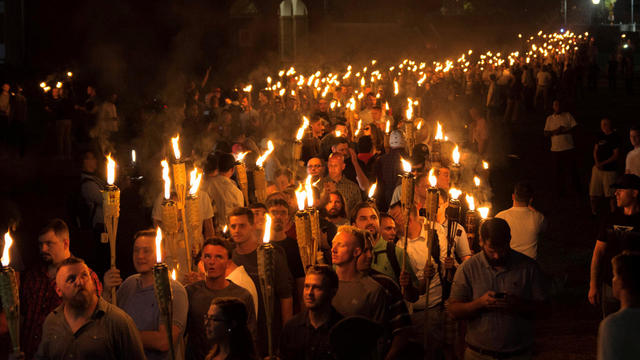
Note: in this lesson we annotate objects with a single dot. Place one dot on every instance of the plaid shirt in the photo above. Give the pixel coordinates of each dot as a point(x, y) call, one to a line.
point(38, 298)
point(347, 188)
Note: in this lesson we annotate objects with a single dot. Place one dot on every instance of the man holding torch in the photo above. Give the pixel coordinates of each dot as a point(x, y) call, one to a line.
point(137, 298)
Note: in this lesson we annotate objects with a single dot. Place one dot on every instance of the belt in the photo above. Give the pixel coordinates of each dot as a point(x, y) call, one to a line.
point(498, 354)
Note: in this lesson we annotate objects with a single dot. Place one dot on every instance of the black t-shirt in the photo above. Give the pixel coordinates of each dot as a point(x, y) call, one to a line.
point(606, 145)
point(291, 250)
point(620, 232)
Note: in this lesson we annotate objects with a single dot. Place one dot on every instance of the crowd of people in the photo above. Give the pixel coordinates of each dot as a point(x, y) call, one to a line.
point(396, 277)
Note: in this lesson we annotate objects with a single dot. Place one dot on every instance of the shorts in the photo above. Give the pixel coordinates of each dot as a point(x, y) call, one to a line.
point(601, 182)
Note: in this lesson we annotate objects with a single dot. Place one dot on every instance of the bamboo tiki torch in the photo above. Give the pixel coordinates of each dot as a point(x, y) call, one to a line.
point(387, 135)
point(407, 198)
point(314, 222)
point(472, 222)
point(111, 212)
point(164, 295)
point(436, 145)
point(303, 229)
point(9, 295)
point(297, 144)
point(409, 127)
point(372, 191)
point(194, 218)
point(180, 183)
point(241, 173)
point(265, 274)
point(259, 180)
point(169, 210)
point(456, 168)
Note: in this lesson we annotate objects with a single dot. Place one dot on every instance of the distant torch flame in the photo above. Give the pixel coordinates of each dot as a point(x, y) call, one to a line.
point(406, 166)
point(167, 179)
point(455, 193)
point(433, 180)
point(476, 181)
point(409, 112)
point(133, 156)
point(395, 88)
point(358, 129)
point(485, 165)
point(388, 127)
point(439, 133)
point(58, 84)
point(471, 202)
point(69, 74)
point(225, 228)
point(111, 170)
point(173, 274)
point(372, 190)
point(158, 245)
point(484, 212)
point(240, 156)
point(43, 85)
point(301, 196)
point(267, 229)
point(5, 252)
point(195, 177)
point(305, 124)
point(455, 155)
point(309, 191)
point(419, 125)
point(264, 156)
point(247, 88)
point(176, 146)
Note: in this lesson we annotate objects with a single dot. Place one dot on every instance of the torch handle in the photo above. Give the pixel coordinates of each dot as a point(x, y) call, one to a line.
point(187, 247)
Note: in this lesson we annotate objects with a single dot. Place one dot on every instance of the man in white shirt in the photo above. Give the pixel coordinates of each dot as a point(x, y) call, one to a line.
point(559, 127)
point(224, 193)
point(543, 82)
point(525, 222)
point(632, 164)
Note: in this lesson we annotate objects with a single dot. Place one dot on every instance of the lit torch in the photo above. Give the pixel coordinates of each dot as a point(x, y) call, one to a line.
point(303, 229)
point(436, 145)
point(472, 223)
point(193, 210)
point(372, 192)
point(9, 295)
point(407, 197)
point(297, 145)
point(259, 180)
point(265, 274)
point(314, 221)
point(456, 168)
point(111, 211)
point(169, 207)
point(180, 184)
point(241, 173)
point(164, 295)
point(387, 134)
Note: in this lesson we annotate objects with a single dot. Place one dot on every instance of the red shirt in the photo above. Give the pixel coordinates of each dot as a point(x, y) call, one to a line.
point(38, 298)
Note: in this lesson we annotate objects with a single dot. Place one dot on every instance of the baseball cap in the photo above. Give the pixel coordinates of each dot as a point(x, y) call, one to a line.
point(627, 181)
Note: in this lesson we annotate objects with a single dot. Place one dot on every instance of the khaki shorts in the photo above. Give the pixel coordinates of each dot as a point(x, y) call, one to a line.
point(601, 182)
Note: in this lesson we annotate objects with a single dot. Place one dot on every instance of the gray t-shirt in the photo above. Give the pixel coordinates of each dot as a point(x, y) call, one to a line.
point(618, 335)
point(200, 298)
point(495, 330)
point(140, 303)
point(361, 297)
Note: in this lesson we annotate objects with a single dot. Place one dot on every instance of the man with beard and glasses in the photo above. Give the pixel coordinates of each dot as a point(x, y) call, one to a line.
point(136, 296)
point(86, 326)
point(306, 335)
point(499, 291)
point(279, 211)
point(334, 210)
point(38, 295)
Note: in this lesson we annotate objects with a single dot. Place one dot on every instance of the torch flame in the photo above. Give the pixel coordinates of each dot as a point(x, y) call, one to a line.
point(247, 88)
point(409, 109)
point(372, 190)
point(166, 178)
point(309, 191)
point(43, 85)
point(455, 155)
point(433, 180)
point(158, 245)
point(240, 156)
point(301, 196)
point(455, 193)
point(267, 229)
point(69, 74)
point(439, 134)
point(176, 146)
point(476, 181)
point(358, 129)
point(5, 252)
point(195, 177)
point(396, 90)
point(484, 212)
point(133, 156)
point(338, 133)
point(419, 125)
point(406, 166)
point(111, 170)
point(264, 156)
point(305, 125)
point(224, 229)
point(388, 127)
point(58, 84)
point(485, 165)
point(471, 202)
point(173, 274)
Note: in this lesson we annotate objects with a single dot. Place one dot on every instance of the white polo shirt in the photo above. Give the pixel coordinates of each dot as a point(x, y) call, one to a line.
point(560, 142)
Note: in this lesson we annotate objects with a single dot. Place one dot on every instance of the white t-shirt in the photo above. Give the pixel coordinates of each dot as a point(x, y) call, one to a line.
point(240, 277)
point(632, 164)
point(526, 226)
point(560, 142)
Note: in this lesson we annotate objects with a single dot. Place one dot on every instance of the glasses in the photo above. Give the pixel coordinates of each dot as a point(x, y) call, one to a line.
point(208, 318)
